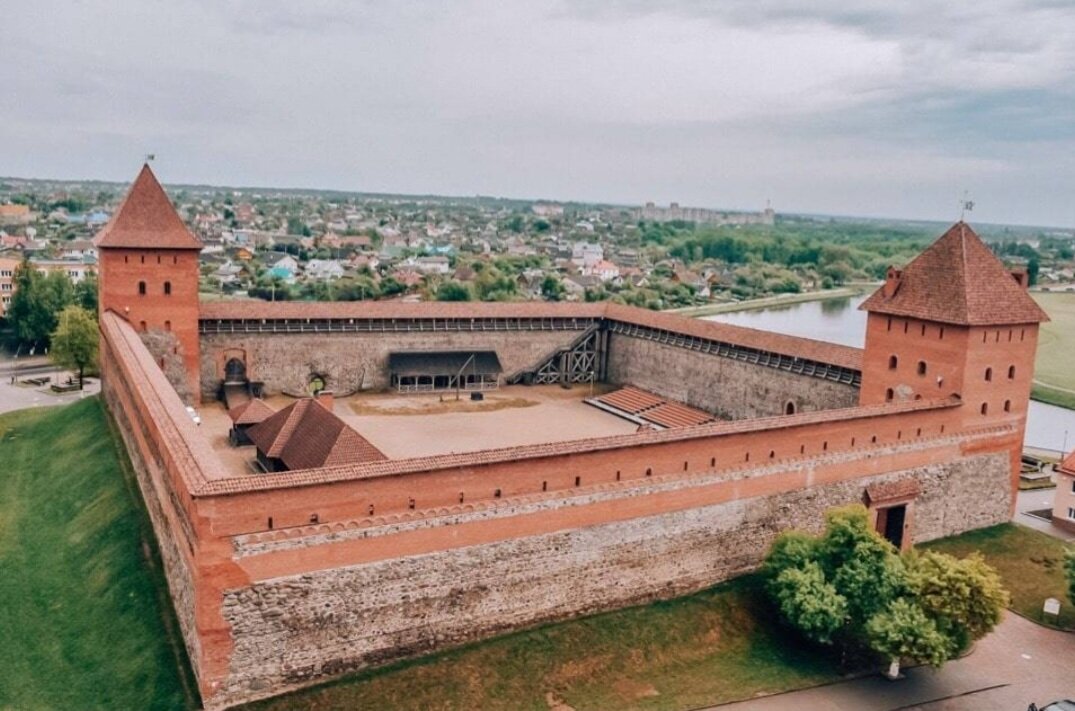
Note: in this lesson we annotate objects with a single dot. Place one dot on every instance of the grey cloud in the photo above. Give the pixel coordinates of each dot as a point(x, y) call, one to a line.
point(872, 107)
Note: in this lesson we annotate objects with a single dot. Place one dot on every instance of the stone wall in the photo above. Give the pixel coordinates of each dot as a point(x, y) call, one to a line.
point(723, 386)
point(357, 361)
point(296, 630)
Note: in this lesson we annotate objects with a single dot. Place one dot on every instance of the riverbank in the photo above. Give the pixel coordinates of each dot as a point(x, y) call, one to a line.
point(767, 302)
point(1053, 396)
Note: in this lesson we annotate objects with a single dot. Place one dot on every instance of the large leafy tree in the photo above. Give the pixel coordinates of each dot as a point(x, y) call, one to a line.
point(37, 302)
point(74, 342)
point(453, 291)
point(851, 588)
point(964, 597)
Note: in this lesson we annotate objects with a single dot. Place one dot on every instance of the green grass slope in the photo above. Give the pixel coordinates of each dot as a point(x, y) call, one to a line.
point(85, 622)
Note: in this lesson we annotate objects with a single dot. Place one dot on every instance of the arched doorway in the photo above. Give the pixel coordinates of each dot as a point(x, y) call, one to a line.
point(234, 371)
point(789, 408)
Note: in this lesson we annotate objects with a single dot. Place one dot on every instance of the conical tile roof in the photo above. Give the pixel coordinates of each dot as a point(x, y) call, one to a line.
point(958, 280)
point(146, 219)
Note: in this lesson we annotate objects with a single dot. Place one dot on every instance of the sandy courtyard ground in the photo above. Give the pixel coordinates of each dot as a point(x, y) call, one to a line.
point(511, 417)
point(404, 426)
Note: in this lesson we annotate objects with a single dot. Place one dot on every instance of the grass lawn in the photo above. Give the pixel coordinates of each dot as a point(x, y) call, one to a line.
point(1056, 344)
point(84, 616)
point(1029, 562)
point(715, 646)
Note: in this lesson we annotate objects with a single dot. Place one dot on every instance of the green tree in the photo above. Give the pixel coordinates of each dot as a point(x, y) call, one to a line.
point(390, 286)
point(964, 596)
point(37, 302)
point(74, 342)
point(1033, 266)
point(1069, 573)
point(453, 291)
point(552, 288)
point(904, 630)
point(85, 293)
point(851, 588)
point(809, 602)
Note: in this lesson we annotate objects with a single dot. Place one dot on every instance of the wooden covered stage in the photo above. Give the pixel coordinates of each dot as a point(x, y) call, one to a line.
point(433, 371)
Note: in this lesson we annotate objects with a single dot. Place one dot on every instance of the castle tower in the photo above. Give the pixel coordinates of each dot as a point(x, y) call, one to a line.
point(149, 275)
point(954, 322)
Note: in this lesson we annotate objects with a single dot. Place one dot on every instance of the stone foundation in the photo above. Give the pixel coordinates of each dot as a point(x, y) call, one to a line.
point(297, 630)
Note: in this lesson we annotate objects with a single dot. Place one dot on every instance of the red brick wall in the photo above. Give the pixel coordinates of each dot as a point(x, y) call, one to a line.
point(121, 273)
point(349, 500)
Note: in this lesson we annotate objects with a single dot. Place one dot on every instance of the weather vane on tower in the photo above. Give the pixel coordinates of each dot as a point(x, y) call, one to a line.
point(965, 206)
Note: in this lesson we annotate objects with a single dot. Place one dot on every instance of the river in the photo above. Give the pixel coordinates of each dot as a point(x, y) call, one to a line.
point(840, 321)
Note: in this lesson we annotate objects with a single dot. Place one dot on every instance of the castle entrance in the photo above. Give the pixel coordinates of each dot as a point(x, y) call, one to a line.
point(234, 371)
point(890, 523)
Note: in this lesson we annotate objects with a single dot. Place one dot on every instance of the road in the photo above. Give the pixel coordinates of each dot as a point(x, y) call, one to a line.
point(1019, 663)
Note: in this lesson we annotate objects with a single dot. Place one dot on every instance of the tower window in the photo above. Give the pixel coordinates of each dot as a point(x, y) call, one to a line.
point(167, 325)
point(921, 367)
point(141, 288)
point(889, 323)
point(1011, 372)
point(940, 334)
point(143, 259)
point(889, 394)
point(988, 375)
point(985, 408)
point(923, 329)
point(893, 361)
point(1007, 406)
point(167, 288)
point(789, 408)
point(142, 326)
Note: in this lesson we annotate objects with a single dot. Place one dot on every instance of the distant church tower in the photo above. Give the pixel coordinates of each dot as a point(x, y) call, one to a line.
point(149, 274)
point(954, 322)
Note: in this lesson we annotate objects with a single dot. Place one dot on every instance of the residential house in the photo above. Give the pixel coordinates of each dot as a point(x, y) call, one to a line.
point(603, 270)
point(15, 215)
point(585, 254)
point(324, 269)
point(7, 282)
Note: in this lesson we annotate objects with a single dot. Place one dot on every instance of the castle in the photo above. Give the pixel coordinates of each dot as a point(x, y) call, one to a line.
point(301, 572)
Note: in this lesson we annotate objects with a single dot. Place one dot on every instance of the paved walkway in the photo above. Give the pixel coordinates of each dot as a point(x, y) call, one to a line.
point(1019, 663)
point(17, 397)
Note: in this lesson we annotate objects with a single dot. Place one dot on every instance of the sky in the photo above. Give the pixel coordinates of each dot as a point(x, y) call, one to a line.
point(871, 107)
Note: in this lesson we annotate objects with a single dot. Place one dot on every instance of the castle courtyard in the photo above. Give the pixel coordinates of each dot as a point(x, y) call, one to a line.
point(418, 425)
